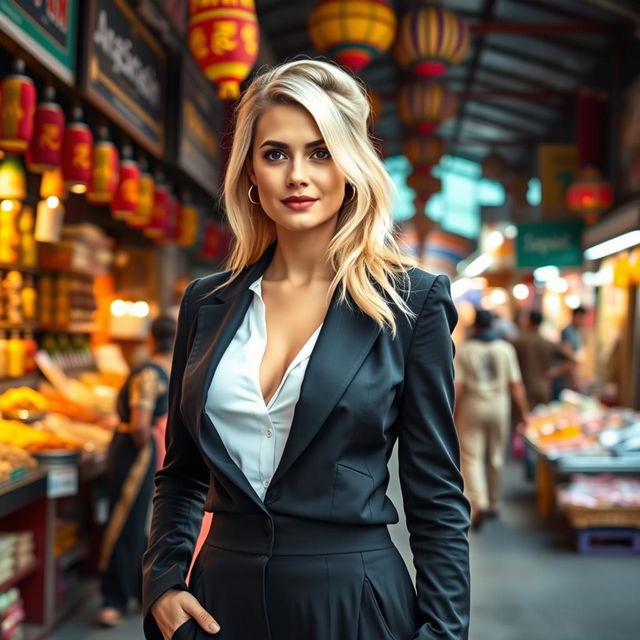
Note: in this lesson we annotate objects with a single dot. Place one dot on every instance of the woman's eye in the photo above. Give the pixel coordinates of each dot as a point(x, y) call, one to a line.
point(321, 154)
point(274, 154)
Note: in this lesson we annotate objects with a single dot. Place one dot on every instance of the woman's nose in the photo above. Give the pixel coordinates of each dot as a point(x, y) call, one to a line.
point(298, 173)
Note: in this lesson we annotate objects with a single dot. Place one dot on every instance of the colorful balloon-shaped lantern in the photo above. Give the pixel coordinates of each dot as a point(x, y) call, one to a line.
point(104, 171)
point(352, 31)
point(223, 39)
point(423, 106)
point(44, 152)
point(141, 217)
point(77, 151)
point(17, 106)
point(429, 40)
point(127, 196)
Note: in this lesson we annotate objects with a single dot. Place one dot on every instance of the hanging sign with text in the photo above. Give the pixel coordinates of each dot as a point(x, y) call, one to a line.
point(47, 30)
point(125, 72)
point(539, 244)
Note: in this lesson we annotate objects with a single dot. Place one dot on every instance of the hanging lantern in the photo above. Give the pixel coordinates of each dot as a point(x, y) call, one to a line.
point(45, 149)
point(429, 40)
point(104, 170)
point(13, 182)
point(224, 42)
point(18, 102)
point(160, 211)
point(424, 184)
point(169, 232)
point(49, 219)
point(352, 31)
point(590, 195)
point(634, 266)
point(424, 106)
point(77, 151)
point(188, 226)
point(423, 152)
point(127, 196)
point(493, 167)
point(141, 217)
point(52, 184)
point(622, 271)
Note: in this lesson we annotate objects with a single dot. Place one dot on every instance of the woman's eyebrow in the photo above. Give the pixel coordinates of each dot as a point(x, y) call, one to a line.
point(285, 146)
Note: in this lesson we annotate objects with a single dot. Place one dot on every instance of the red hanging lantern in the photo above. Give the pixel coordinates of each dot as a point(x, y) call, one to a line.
point(160, 212)
point(141, 217)
point(223, 39)
point(17, 105)
point(77, 151)
point(424, 106)
point(429, 40)
point(590, 195)
point(423, 152)
point(104, 171)
point(127, 196)
point(44, 152)
point(170, 231)
point(352, 31)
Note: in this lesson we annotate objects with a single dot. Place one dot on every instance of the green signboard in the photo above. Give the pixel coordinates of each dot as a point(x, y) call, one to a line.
point(539, 244)
point(48, 30)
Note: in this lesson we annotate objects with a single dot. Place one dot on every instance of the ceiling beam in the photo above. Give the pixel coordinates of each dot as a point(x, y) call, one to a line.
point(520, 28)
point(488, 9)
point(528, 96)
point(524, 55)
point(551, 7)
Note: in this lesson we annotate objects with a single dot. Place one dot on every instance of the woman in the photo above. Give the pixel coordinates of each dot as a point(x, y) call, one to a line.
point(293, 375)
point(142, 402)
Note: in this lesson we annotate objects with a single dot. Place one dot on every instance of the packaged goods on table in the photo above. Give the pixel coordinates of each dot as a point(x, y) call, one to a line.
point(93, 437)
point(602, 500)
point(12, 460)
point(11, 615)
point(17, 553)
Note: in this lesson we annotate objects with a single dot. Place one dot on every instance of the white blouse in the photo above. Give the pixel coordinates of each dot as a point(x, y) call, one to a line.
point(253, 433)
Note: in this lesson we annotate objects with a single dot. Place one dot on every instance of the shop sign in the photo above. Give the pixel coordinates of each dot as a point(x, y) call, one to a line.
point(200, 125)
point(125, 72)
point(539, 244)
point(47, 30)
point(62, 481)
point(557, 168)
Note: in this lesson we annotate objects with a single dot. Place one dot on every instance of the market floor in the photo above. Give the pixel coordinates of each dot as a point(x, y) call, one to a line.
point(527, 583)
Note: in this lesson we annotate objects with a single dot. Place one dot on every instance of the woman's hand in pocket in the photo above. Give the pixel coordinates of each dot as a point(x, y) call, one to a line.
point(173, 608)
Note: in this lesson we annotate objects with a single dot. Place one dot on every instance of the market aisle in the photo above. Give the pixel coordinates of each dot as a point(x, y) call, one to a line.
point(528, 583)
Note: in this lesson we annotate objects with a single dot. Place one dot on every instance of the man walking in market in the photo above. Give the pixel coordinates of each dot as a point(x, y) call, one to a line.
point(487, 378)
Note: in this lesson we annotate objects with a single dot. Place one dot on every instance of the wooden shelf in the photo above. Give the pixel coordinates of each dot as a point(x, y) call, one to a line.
point(30, 380)
point(19, 576)
point(22, 326)
point(4, 266)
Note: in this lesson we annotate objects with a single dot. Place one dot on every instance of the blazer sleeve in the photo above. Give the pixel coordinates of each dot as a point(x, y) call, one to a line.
point(437, 512)
point(181, 487)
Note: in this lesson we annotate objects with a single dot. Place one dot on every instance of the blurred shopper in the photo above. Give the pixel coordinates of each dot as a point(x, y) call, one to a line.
point(142, 402)
point(572, 340)
point(487, 378)
point(294, 374)
point(540, 361)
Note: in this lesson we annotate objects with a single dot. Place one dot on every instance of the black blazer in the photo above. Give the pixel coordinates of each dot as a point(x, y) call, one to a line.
point(362, 390)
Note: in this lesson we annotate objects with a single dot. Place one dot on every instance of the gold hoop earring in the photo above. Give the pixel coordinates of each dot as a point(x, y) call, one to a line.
point(353, 193)
point(249, 194)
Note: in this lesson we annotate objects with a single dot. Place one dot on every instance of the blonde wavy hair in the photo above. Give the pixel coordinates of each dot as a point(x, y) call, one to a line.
point(367, 262)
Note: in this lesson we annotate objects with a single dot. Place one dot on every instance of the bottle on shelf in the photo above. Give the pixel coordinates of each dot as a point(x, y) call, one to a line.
point(29, 299)
point(16, 352)
point(31, 348)
point(12, 285)
point(4, 355)
point(28, 247)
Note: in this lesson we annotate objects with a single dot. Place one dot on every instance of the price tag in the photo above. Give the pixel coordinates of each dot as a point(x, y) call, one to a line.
point(62, 481)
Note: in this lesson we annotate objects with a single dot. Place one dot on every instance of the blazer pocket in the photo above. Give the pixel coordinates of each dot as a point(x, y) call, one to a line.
point(370, 603)
point(352, 491)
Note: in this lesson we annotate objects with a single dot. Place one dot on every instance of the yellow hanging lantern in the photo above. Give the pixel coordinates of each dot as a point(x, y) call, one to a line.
point(52, 184)
point(430, 40)
point(423, 106)
point(621, 271)
point(141, 217)
point(352, 31)
point(13, 182)
point(634, 266)
point(423, 152)
point(223, 40)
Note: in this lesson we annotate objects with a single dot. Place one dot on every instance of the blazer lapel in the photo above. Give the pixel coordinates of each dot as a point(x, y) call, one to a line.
point(216, 326)
point(347, 335)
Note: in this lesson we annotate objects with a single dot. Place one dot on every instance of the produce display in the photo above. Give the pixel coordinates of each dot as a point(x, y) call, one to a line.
point(602, 490)
point(583, 426)
point(93, 437)
point(32, 439)
point(13, 401)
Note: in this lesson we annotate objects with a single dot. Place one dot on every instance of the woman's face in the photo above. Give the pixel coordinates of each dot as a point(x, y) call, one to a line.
point(299, 185)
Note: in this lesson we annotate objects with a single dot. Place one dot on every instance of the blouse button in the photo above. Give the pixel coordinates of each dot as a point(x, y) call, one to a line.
point(266, 483)
point(268, 433)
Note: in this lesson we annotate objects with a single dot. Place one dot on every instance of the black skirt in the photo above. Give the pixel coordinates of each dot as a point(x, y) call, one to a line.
point(319, 582)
